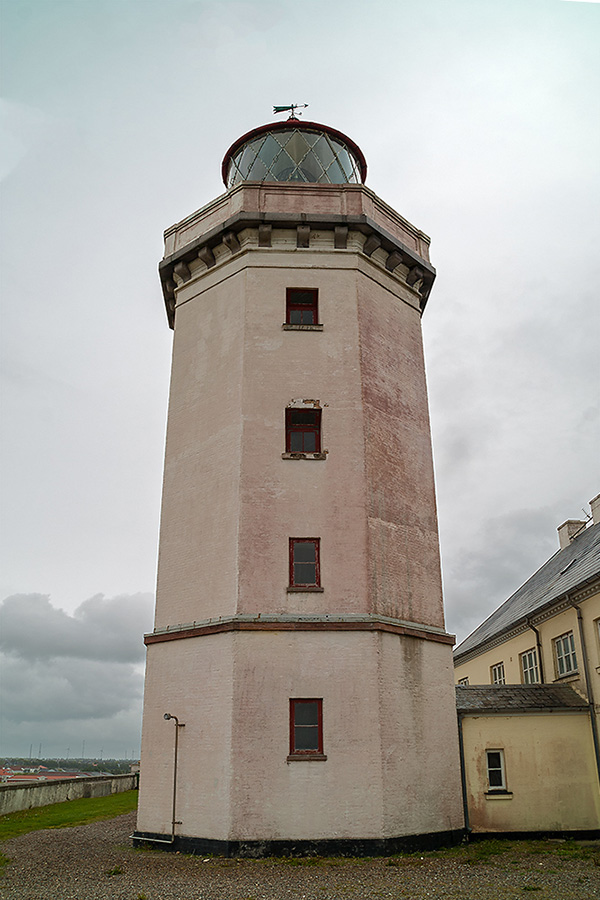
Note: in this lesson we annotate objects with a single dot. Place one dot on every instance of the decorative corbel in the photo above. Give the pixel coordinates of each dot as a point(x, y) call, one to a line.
point(371, 244)
point(415, 274)
point(182, 270)
point(393, 261)
point(340, 240)
point(206, 256)
point(231, 241)
point(264, 235)
point(303, 236)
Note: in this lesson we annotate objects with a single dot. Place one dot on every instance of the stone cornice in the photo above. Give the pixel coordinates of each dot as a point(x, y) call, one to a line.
point(298, 623)
point(217, 228)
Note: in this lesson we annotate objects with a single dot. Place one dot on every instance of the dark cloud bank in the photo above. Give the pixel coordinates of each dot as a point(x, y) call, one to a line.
point(73, 678)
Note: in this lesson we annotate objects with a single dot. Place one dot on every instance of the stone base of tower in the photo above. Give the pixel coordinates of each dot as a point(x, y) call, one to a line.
point(388, 777)
point(336, 847)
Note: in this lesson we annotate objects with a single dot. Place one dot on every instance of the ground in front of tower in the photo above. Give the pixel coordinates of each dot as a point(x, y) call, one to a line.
point(97, 862)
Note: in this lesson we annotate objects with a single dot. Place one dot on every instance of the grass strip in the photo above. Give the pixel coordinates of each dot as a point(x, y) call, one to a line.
point(67, 814)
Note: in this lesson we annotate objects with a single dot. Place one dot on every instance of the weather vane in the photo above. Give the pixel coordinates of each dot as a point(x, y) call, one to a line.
point(291, 108)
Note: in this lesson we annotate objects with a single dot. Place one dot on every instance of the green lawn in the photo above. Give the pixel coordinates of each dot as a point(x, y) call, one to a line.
point(64, 815)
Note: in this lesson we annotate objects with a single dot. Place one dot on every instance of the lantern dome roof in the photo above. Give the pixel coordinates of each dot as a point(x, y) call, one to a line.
point(294, 151)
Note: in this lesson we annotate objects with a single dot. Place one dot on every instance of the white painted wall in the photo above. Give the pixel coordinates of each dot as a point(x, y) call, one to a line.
point(230, 505)
point(383, 718)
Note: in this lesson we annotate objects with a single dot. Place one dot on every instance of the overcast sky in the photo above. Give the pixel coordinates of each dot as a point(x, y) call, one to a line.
point(480, 123)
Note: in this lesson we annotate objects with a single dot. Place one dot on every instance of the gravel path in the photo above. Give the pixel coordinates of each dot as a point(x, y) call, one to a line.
point(97, 862)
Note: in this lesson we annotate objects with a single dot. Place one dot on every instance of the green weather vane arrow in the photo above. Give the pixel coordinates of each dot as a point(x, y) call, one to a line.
point(291, 109)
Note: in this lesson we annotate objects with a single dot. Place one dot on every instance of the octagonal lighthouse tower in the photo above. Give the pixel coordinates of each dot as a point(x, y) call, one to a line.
point(299, 654)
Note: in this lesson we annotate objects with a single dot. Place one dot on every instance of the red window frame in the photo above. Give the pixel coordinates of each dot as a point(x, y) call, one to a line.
point(301, 312)
point(295, 542)
point(302, 428)
point(295, 704)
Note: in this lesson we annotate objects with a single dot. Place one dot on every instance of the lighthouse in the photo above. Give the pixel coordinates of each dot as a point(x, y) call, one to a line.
point(299, 691)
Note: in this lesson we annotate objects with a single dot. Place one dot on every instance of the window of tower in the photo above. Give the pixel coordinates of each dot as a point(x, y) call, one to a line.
point(305, 569)
point(306, 729)
point(301, 306)
point(303, 430)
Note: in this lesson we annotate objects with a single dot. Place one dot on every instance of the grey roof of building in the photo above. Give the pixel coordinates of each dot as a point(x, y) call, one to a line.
point(567, 570)
point(516, 697)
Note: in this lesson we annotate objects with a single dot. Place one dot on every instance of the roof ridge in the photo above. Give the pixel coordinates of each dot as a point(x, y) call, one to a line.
point(580, 563)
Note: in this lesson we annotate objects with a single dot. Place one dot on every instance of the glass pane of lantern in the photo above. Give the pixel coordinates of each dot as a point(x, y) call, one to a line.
point(269, 150)
point(335, 173)
point(258, 170)
point(310, 167)
point(297, 147)
point(324, 151)
point(344, 161)
point(282, 167)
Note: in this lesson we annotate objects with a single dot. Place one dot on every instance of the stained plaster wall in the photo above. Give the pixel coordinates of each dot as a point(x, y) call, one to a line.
point(198, 564)
point(381, 719)
point(538, 750)
point(283, 498)
point(230, 505)
point(192, 679)
point(404, 566)
point(234, 372)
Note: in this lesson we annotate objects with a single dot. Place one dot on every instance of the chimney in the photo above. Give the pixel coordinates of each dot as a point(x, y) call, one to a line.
point(595, 508)
point(569, 530)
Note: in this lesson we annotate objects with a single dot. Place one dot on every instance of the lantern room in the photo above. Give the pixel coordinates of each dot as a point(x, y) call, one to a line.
point(294, 151)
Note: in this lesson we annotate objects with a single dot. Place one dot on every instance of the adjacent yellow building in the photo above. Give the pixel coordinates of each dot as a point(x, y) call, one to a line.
point(528, 686)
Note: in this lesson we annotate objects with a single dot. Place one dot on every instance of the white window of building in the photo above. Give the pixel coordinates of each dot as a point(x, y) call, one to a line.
point(495, 770)
point(463, 681)
point(530, 673)
point(566, 658)
point(497, 673)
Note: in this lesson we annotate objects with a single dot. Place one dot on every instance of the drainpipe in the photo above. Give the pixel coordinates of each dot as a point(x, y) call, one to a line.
point(463, 775)
point(174, 822)
point(588, 685)
point(539, 649)
point(178, 725)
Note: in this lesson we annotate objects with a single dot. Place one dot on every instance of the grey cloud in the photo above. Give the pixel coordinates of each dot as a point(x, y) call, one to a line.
point(67, 678)
point(108, 630)
point(59, 690)
point(493, 561)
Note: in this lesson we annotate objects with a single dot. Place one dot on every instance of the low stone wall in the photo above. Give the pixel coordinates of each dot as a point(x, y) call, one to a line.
point(14, 797)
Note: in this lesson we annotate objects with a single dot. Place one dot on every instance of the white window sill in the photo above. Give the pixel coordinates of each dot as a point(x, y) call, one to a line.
point(304, 589)
point(498, 795)
point(301, 455)
point(288, 327)
point(306, 757)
